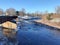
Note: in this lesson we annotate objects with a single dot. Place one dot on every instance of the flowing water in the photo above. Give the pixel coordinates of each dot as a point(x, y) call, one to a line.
point(30, 33)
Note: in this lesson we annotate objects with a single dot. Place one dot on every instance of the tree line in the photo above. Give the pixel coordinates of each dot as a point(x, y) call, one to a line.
point(22, 12)
point(12, 12)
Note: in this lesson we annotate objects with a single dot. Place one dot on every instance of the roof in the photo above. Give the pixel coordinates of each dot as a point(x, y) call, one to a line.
point(9, 24)
point(6, 18)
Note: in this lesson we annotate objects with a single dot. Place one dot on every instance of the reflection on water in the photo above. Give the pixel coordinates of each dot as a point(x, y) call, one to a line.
point(7, 38)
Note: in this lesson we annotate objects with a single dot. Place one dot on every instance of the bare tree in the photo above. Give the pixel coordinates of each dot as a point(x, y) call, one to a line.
point(33, 14)
point(28, 14)
point(46, 12)
point(57, 9)
point(11, 11)
point(36, 13)
point(1, 11)
point(22, 12)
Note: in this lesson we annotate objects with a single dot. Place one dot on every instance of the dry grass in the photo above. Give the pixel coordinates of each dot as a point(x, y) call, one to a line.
point(48, 22)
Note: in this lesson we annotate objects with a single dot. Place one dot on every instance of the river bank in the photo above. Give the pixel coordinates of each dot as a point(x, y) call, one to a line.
point(49, 23)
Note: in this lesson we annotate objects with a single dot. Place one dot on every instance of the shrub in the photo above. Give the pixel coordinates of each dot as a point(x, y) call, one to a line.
point(49, 17)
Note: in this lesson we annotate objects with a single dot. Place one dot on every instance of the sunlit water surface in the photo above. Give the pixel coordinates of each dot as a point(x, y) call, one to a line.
point(34, 34)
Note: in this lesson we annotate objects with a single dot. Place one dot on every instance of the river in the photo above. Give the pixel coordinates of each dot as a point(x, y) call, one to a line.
point(34, 34)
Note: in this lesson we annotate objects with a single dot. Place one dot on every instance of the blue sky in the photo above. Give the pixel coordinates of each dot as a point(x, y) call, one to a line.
point(30, 5)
